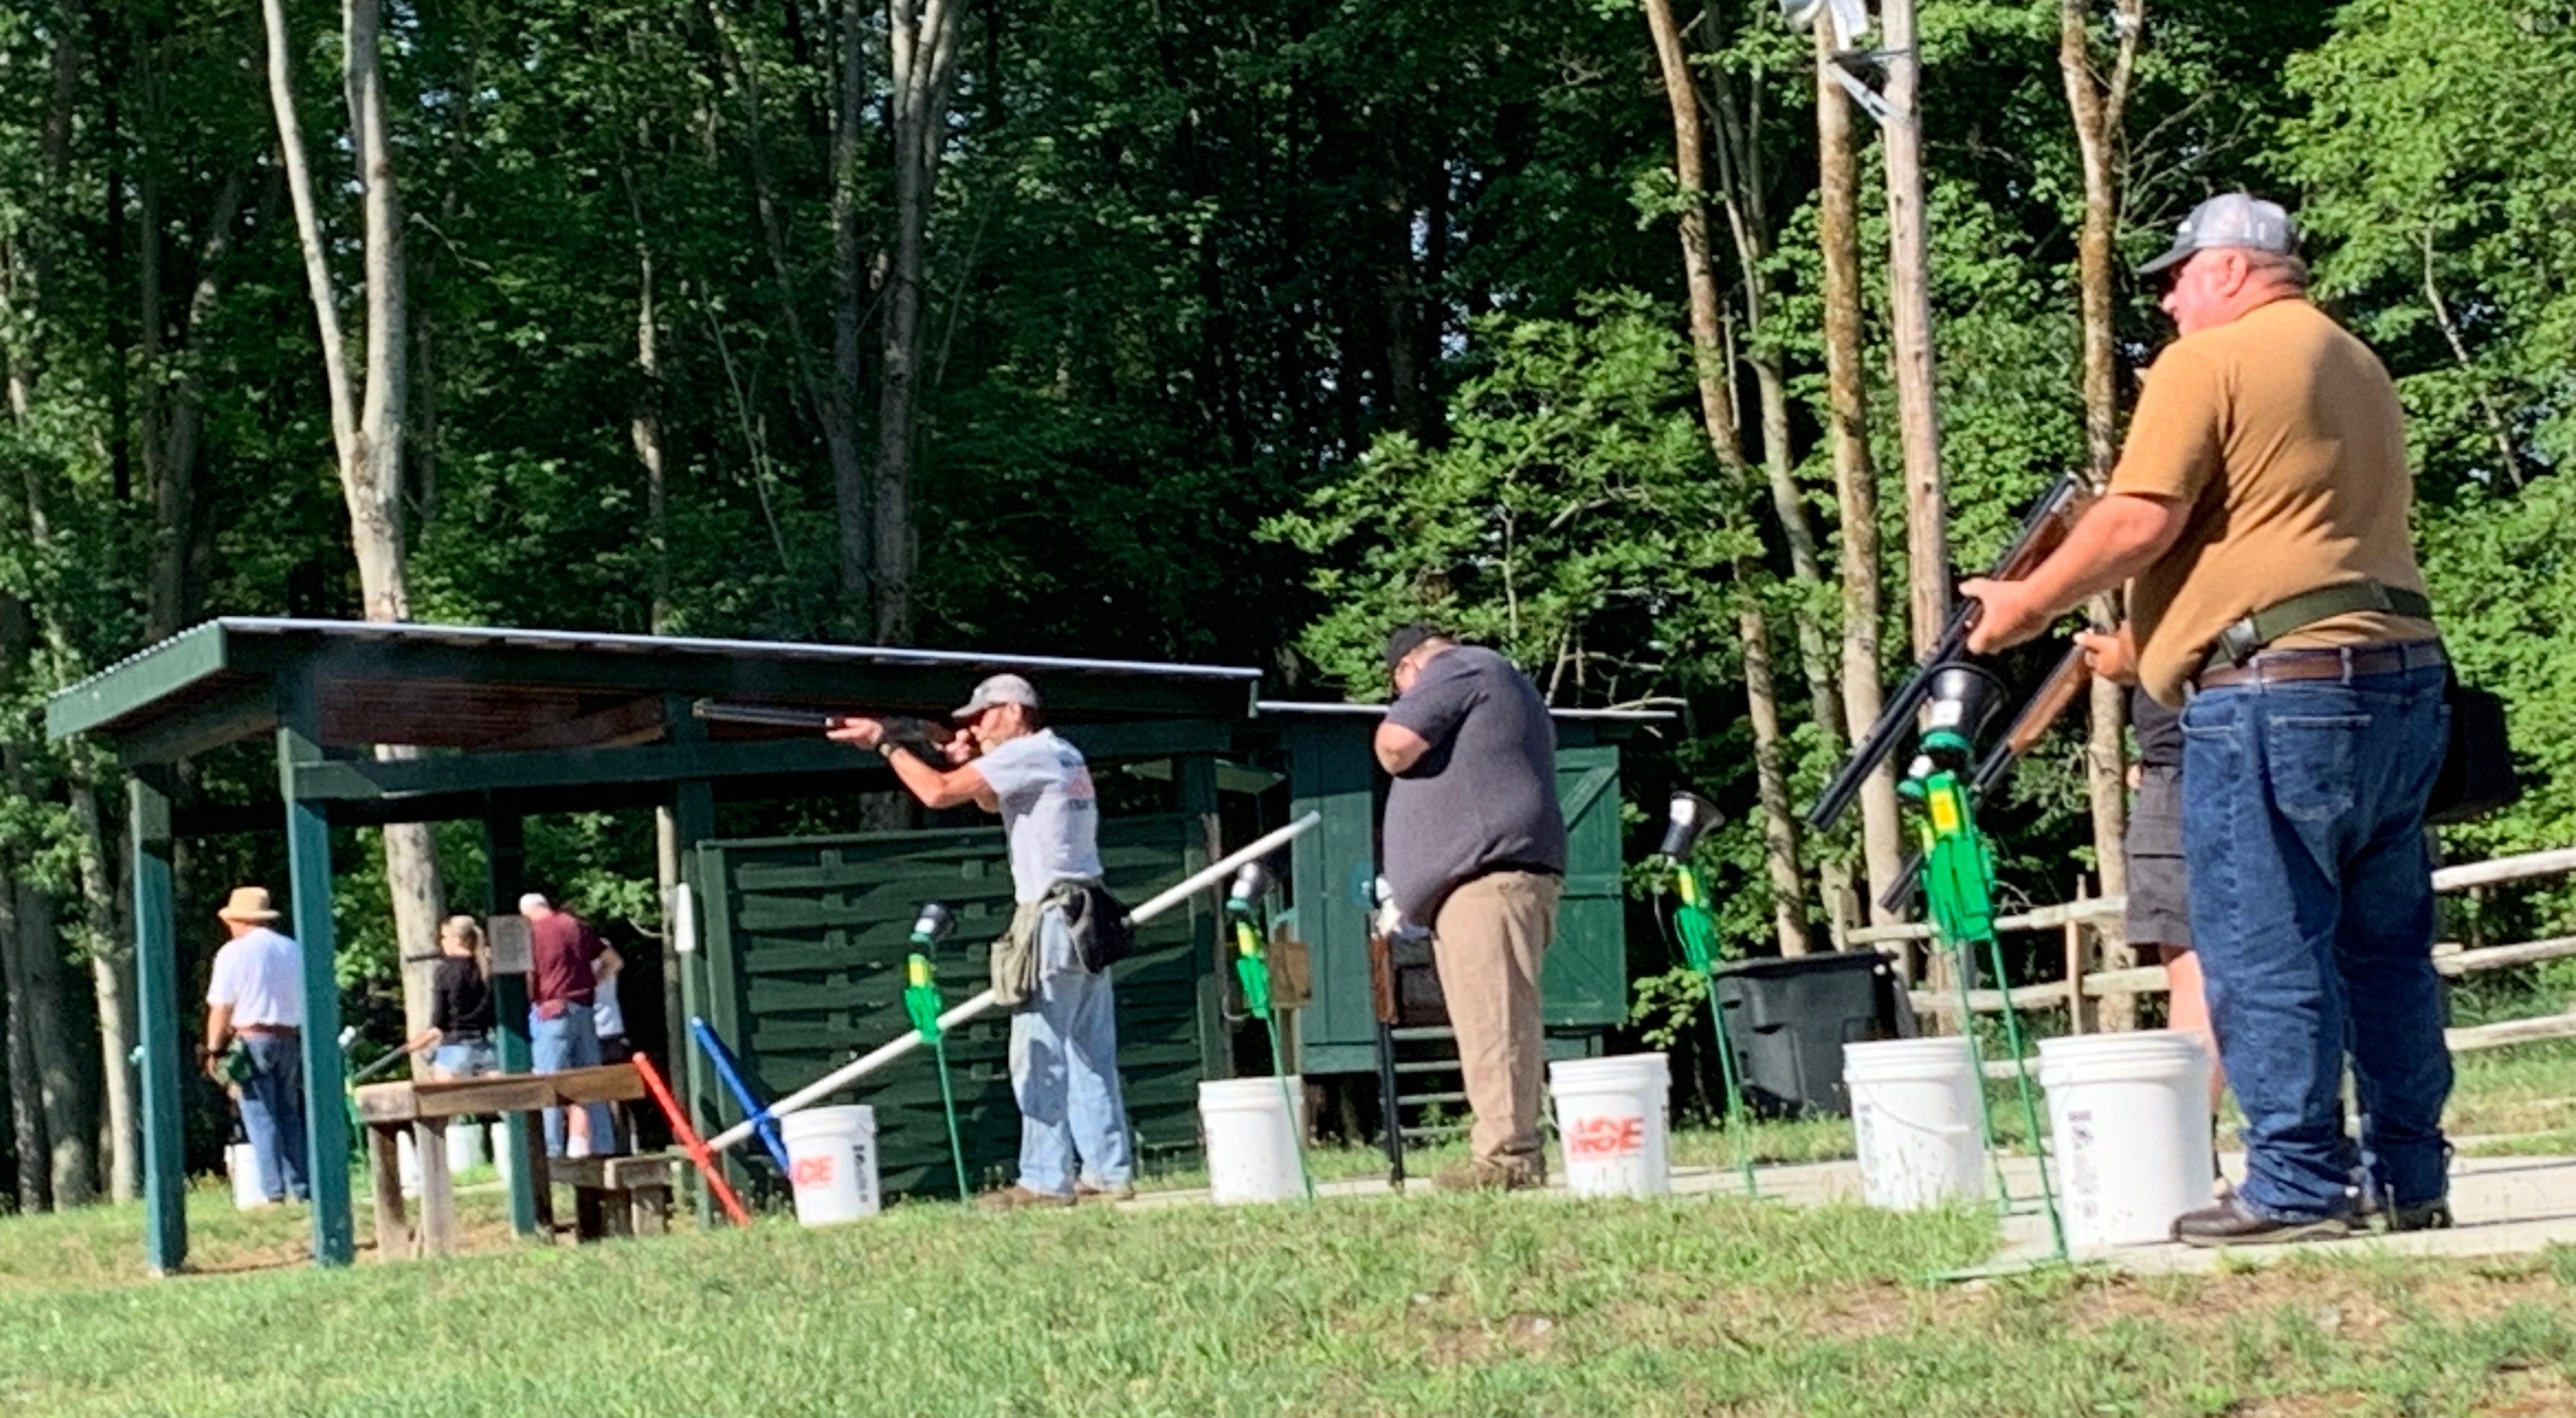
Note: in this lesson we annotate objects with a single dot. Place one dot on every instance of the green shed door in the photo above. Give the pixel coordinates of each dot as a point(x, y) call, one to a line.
point(1585, 983)
point(805, 944)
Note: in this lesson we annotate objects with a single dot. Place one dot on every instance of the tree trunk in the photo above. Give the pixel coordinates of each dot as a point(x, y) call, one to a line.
point(368, 431)
point(1918, 410)
point(1855, 481)
point(71, 1129)
point(922, 38)
point(1717, 417)
point(644, 426)
point(26, 1090)
point(111, 965)
point(2097, 104)
point(851, 493)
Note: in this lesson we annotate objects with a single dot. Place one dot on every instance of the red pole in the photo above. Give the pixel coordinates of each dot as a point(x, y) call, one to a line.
point(690, 1142)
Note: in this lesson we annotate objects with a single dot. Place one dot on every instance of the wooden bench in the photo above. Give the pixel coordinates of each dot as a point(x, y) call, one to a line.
point(387, 1110)
point(619, 1196)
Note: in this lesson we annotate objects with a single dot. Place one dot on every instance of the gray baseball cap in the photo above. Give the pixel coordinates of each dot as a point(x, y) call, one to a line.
point(2230, 220)
point(998, 689)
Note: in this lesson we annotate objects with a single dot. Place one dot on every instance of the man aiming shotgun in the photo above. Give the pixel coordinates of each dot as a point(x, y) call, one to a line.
point(1052, 966)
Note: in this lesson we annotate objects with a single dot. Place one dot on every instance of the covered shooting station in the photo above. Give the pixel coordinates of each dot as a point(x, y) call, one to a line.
point(494, 726)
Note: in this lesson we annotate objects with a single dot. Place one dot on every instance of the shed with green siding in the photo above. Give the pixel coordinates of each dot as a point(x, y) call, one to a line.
point(1323, 751)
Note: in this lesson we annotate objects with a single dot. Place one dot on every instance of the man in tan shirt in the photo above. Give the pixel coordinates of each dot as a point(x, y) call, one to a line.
point(2259, 517)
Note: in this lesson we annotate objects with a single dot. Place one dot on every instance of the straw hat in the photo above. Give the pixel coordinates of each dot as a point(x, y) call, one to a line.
point(249, 903)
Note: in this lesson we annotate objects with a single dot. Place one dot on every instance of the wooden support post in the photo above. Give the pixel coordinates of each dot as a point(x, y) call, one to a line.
point(156, 984)
point(437, 1188)
point(308, 861)
point(2075, 1002)
point(384, 1176)
point(505, 848)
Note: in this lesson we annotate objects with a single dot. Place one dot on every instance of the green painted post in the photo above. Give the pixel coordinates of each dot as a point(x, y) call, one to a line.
point(326, 1114)
point(156, 983)
point(505, 849)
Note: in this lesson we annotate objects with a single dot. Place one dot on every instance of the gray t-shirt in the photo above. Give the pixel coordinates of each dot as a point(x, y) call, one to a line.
point(1048, 809)
point(1485, 795)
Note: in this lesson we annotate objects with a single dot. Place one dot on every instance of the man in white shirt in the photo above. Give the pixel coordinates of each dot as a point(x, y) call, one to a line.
point(257, 996)
point(1064, 1043)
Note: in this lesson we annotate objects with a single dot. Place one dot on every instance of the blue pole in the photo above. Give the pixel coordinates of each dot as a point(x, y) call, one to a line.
point(752, 1107)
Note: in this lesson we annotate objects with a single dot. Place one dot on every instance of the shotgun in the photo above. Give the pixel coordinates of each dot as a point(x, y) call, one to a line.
point(923, 735)
point(2042, 531)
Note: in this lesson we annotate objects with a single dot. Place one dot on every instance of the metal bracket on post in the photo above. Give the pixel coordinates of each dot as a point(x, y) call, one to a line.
point(1861, 93)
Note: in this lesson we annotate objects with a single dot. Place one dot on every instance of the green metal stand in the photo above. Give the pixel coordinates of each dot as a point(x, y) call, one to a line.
point(1959, 882)
point(921, 1001)
point(1698, 928)
point(1252, 972)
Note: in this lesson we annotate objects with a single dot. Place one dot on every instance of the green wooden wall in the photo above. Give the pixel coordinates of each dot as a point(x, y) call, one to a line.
point(804, 946)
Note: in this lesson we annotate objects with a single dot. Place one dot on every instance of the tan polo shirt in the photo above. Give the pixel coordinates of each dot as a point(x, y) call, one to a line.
point(2282, 435)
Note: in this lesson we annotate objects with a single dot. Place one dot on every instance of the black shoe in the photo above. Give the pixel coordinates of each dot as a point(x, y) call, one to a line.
point(2432, 1215)
point(2229, 1223)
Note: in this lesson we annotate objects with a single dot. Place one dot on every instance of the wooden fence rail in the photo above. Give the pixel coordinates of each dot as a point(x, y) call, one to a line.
point(2451, 959)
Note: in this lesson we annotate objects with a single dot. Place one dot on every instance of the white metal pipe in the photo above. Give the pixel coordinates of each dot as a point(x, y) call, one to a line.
point(910, 1040)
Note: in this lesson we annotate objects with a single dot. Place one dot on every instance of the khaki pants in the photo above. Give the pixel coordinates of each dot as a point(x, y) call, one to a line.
point(1490, 940)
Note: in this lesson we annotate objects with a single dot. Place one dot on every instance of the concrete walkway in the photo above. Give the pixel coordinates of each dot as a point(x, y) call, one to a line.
point(2503, 1206)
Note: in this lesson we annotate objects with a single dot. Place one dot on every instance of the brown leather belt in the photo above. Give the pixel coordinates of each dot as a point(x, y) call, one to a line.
point(2328, 662)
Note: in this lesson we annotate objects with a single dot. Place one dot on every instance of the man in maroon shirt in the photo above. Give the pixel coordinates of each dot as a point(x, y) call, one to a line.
point(561, 1034)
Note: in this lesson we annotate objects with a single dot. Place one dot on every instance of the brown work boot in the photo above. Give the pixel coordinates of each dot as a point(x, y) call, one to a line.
point(1019, 1198)
point(1086, 1192)
point(1484, 1175)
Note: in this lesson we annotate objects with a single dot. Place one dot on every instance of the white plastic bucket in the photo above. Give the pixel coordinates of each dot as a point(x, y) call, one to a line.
point(241, 1163)
point(1252, 1138)
point(464, 1147)
point(407, 1162)
point(1611, 1125)
point(1914, 1122)
point(2128, 1118)
point(832, 1163)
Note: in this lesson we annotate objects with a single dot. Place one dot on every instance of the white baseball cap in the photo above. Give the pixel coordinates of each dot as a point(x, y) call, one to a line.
point(2232, 219)
point(998, 689)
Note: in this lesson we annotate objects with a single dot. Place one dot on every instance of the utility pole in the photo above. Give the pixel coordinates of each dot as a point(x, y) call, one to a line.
point(1918, 408)
point(1896, 107)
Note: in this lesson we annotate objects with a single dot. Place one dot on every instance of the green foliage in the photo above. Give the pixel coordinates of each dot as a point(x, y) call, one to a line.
point(1569, 521)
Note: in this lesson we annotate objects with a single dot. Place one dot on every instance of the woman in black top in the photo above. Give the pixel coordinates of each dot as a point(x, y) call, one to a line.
point(460, 1006)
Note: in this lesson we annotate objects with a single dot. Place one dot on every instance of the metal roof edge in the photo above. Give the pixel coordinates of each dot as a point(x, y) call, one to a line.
point(1284, 708)
point(691, 644)
point(107, 694)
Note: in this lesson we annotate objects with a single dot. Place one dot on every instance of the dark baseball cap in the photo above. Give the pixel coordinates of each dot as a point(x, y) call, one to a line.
point(1408, 638)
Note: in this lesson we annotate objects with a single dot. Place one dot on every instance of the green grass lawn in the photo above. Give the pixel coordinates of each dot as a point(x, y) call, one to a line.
point(1499, 1305)
point(1422, 1304)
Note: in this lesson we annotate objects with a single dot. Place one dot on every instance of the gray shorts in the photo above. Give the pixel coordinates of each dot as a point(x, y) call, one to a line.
point(2159, 897)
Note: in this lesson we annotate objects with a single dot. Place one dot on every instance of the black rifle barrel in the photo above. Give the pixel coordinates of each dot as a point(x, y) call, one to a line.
point(718, 712)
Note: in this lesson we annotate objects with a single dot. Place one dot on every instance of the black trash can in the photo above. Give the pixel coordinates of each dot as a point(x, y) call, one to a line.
point(1788, 1020)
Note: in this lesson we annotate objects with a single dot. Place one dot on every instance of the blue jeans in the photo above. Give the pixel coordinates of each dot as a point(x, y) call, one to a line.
point(1064, 1072)
point(272, 1110)
point(2312, 911)
point(470, 1059)
point(569, 1041)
